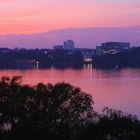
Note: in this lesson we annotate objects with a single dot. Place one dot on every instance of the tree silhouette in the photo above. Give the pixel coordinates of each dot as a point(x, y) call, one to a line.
point(59, 111)
point(52, 110)
point(115, 124)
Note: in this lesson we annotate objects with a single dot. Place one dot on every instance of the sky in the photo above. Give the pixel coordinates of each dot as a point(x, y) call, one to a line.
point(31, 16)
point(83, 37)
point(21, 21)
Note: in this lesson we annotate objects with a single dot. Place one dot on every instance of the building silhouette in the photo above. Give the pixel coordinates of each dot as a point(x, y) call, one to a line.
point(58, 47)
point(112, 47)
point(69, 45)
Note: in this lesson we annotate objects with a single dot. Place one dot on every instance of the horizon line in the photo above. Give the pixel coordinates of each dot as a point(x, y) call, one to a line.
point(73, 28)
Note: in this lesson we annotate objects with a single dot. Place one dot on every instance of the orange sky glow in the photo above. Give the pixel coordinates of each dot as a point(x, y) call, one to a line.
point(30, 16)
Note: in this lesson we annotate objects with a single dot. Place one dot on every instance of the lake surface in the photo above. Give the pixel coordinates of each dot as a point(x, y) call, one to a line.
point(119, 89)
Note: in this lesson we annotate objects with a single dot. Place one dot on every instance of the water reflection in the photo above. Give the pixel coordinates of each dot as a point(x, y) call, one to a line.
point(88, 67)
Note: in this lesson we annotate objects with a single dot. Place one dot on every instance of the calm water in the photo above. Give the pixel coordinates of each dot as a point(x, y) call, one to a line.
point(119, 89)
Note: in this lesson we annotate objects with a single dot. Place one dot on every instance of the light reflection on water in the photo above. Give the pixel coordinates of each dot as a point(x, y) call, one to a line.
point(119, 89)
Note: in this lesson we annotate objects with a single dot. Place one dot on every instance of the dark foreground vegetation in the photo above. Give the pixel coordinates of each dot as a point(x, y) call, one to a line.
point(58, 111)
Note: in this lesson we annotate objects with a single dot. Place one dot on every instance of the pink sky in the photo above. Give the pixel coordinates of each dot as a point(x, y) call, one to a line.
point(30, 16)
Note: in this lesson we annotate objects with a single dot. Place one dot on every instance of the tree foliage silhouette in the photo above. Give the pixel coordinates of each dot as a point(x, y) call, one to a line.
point(58, 111)
point(50, 109)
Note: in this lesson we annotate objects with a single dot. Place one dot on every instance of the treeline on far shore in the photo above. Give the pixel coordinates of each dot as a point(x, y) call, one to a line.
point(37, 58)
point(61, 112)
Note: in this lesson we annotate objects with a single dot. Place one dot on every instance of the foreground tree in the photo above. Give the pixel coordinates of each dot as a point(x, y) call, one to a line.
point(112, 125)
point(56, 111)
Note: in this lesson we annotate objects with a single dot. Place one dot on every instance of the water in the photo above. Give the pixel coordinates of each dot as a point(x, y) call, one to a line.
point(119, 89)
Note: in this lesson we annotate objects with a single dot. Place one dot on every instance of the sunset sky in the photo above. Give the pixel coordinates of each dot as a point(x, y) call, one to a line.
point(31, 16)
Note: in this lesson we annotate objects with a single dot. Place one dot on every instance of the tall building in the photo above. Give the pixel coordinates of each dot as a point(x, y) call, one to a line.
point(69, 45)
